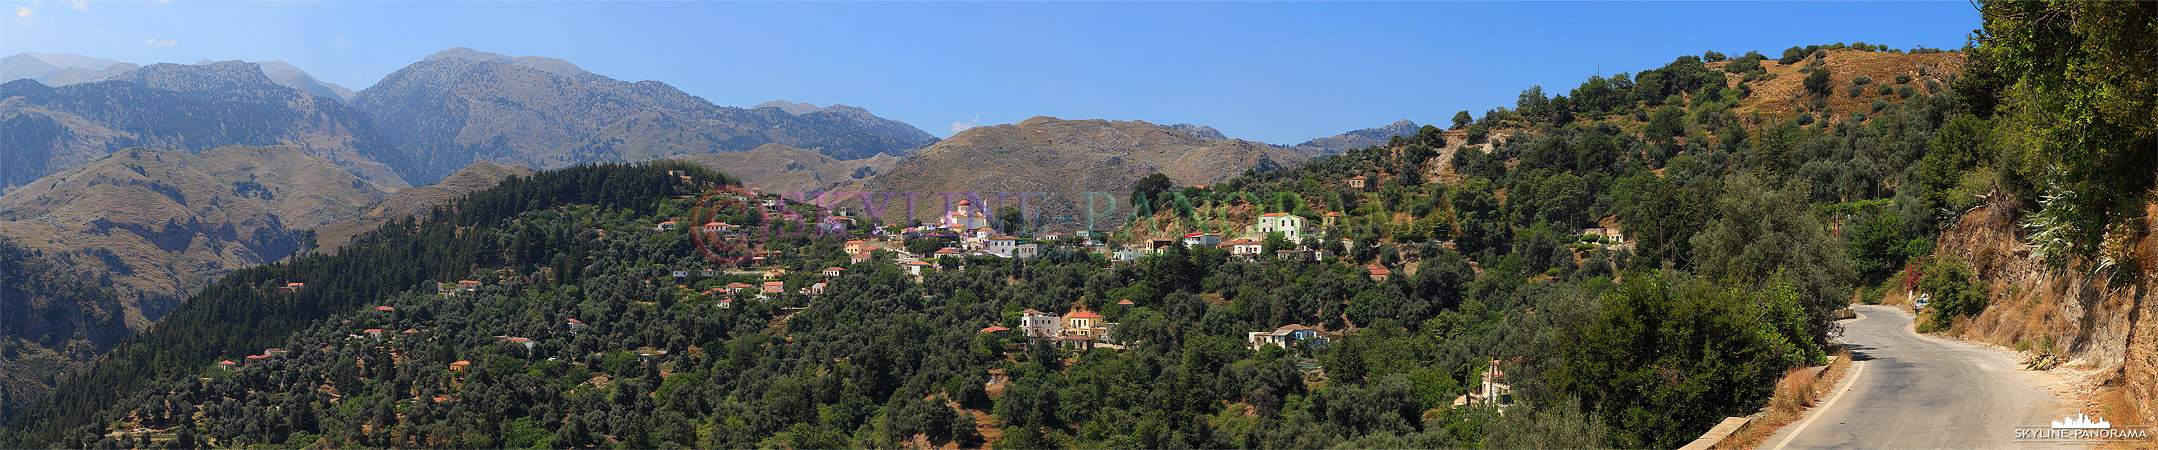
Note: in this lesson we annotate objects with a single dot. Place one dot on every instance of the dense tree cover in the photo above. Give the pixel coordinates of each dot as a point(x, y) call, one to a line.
point(2071, 90)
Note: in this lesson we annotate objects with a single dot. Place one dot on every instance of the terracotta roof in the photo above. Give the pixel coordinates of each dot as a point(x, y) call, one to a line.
point(1031, 311)
point(775, 283)
point(1358, 177)
point(409, 331)
point(947, 250)
point(835, 268)
point(1334, 214)
point(385, 308)
point(371, 330)
point(256, 357)
point(295, 284)
point(966, 203)
point(575, 321)
point(861, 255)
point(1084, 314)
point(917, 263)
point(1126, 302)
point(225, 362)
point(460, 363)
point(992, 329)
point(1273, 214)
point(1193, 235)
point(1295, 326)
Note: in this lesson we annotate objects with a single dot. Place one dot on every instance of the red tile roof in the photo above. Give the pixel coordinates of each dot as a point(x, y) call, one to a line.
point(1084, 314)
point(1126, 302)
point(992, 329)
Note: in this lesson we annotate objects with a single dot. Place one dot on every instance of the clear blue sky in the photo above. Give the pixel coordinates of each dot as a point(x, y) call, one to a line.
point(1273, 72)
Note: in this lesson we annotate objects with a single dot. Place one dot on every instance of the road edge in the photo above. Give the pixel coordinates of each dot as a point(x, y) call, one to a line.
point(1842, 386)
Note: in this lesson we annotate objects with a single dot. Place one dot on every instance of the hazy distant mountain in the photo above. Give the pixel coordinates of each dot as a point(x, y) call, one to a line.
point(461, 105)
point(285, 74)
point(789, 107)
point(1068, 158)
point(44, 130)
point(1355, 139)
point(60, 69)
point(1199, 130)
point(779, 168)
point(860, 117)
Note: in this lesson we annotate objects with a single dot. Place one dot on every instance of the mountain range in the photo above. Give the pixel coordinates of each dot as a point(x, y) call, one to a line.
point(460, 106)
point(1068, 159)
point(156, 180)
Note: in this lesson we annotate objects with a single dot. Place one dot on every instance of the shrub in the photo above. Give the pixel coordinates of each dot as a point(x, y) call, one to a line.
point(1956, 293)
point(1820, 55)
point(1712, 56)
point(1792, 55)
point(1861, 79)
point(1903, 78)
point(1742, 65)
point(1854, 90)
point(1817, 82)
point(1884, 90)
point(1878, 104)
point(1905, 91)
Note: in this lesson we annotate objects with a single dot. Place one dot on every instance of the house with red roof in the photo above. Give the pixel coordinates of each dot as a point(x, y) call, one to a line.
point(228, 365)
point(774, 287)
point(992, 329)
point(373, 333)
point(291, 287)
point(1358, 182)
point(1378, 272)
point(858, 258)
point(833, 272)
point(1202, 240)
point(718, 227)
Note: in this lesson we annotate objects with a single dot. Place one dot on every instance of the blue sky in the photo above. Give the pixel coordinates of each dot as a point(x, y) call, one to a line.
point(1276, 72)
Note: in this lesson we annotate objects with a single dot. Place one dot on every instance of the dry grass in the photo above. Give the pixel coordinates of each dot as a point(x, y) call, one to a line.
point(1800, 388)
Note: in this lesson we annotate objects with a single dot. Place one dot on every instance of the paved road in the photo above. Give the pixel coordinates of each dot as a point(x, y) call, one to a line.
point(1906, 390)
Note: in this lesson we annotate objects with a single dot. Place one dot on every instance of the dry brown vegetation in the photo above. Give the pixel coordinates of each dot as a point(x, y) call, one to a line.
point(1800, 388)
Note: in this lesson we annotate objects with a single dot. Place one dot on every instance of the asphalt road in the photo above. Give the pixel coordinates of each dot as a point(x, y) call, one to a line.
point(1906, 390)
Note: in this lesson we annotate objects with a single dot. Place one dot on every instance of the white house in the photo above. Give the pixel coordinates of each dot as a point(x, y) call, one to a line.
point(1286, 336)
point(1245, 247)
point(916, 268)
point(1026, 250)
point(1202, 240)
point(1000, 244)
point(1040, 324)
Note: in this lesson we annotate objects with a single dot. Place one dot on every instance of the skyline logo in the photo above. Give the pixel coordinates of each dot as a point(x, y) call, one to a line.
point(2081, 429)
point(2081, 422)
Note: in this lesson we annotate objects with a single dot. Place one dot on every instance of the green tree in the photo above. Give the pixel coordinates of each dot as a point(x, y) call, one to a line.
point(1147, 193)
point(1462, 119)
point(1817, 82)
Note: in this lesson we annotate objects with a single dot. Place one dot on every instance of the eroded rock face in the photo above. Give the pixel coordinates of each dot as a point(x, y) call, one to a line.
point(2085, 314)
